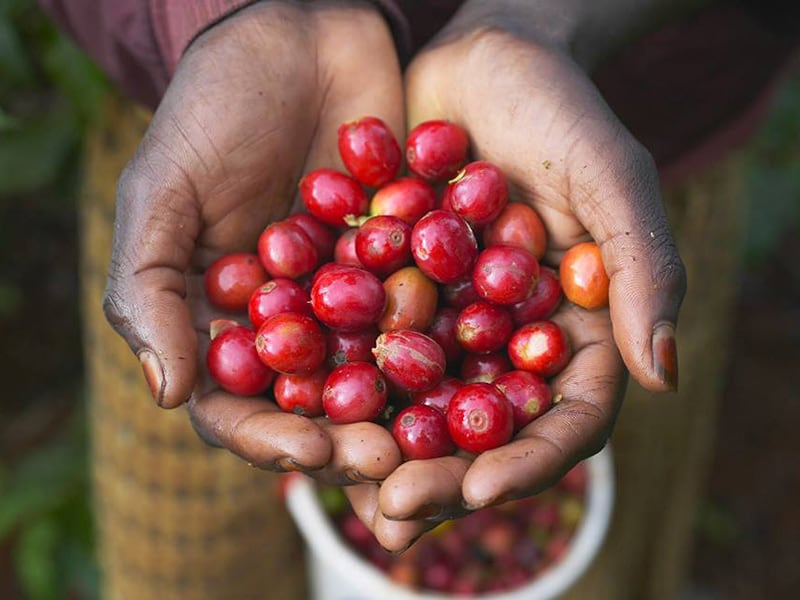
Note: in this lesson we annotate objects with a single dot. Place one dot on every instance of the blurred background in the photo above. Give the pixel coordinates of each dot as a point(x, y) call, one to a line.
point(747, 528)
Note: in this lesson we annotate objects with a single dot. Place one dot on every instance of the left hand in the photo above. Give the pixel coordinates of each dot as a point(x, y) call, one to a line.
point(533, 111)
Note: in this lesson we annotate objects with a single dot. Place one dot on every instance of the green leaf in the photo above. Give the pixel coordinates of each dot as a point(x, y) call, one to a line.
point(39, 483)
point(34, 560)
point(15, 66)
point(75, 76)
point(32, 156)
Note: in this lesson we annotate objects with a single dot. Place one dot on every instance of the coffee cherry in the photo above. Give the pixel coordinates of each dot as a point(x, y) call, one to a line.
point(350, 346)
point(230, 280)
point(383, 244)
point(344, 251)
point(300, 394)
point(409, 359)
point(443, 246)
point(348, 298)
point(460, 294)
point(478, 193)
point(408, 199)
point(354, 392)
point(233, 362)
point(291, 343)
point(443, 332)
point(484, 367)
point(320, 234)
point(528, 393)
point(517, 225)
point(421, 432)
point(584, 277)
point(285, 250)
point(277, 296)
point(332, 196)
point(482, 328)
point(479, 418)
point(411, 300)
point(369, 150)
point(543, 302)
point(438, 396)
point(435, 150)
point(505, 274)
point(541, 347)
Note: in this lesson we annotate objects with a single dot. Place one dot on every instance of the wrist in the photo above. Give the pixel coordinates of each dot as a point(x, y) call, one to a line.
point(589, 32)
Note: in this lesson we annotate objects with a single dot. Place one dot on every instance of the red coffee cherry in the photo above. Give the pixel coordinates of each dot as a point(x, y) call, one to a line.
point(478, 193)
point(383, 244)
point(233, 362)
point(541, 347)
point(230, 280)
point(291, 343)
point(409, 359)
point(332, 196)
point(285, 250)
point(505, 274)
point(543, 302)
point(479, 418)
point(408, 199)
point(435, 150)
point(517, 225)
point(421, 433)
point(529, 394)
point(369, 150)
point(277, 296)
point(301, 394)
point(443, 246)
point(354, 392)
point(482, 328)
point(348, 298)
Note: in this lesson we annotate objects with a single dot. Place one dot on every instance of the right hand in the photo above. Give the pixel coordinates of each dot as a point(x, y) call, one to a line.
point(255, 103)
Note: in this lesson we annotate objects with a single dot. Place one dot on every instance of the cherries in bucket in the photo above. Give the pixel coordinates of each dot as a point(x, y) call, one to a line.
point(427, 298)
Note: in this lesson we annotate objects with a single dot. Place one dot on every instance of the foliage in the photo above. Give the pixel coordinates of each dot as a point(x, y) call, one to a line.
point(44, 510)
point(49, 93)
point(773, 178)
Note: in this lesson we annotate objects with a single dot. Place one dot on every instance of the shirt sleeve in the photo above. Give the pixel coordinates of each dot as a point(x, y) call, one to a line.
point(138, 43)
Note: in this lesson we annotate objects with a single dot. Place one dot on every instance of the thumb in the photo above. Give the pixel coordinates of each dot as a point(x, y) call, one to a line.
point(155, 229)
point(624, 212)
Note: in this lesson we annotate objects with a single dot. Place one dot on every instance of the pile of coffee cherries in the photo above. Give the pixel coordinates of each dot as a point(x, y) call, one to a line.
point(425, 297)
point(491, 550)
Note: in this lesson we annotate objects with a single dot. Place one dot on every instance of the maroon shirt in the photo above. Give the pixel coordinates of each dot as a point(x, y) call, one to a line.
point(689, 92)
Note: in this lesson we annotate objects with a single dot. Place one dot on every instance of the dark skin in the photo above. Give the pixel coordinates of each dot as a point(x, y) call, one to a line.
point(233, 135)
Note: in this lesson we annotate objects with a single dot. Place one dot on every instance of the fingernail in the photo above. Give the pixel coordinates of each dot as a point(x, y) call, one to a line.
point(287, 464)
point(665, 354)
point(357, 476)
point(153, 374)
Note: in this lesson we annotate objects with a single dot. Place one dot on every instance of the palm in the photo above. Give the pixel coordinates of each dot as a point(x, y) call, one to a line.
point(255, 103)
point(531, 111)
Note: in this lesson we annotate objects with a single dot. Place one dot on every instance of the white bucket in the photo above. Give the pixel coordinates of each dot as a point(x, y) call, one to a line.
point(338, 573)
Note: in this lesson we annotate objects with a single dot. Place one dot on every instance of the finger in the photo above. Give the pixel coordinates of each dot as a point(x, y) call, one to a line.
point(260, 433)
point(578, 426)
point(543, 122)
point(394, 536)
point(154, 234)
point(424, 489)
point(201, 185)
point(361, 453)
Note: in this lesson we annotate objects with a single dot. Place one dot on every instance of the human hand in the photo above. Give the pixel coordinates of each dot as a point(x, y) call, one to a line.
point(532, 110)
point(255, 102)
